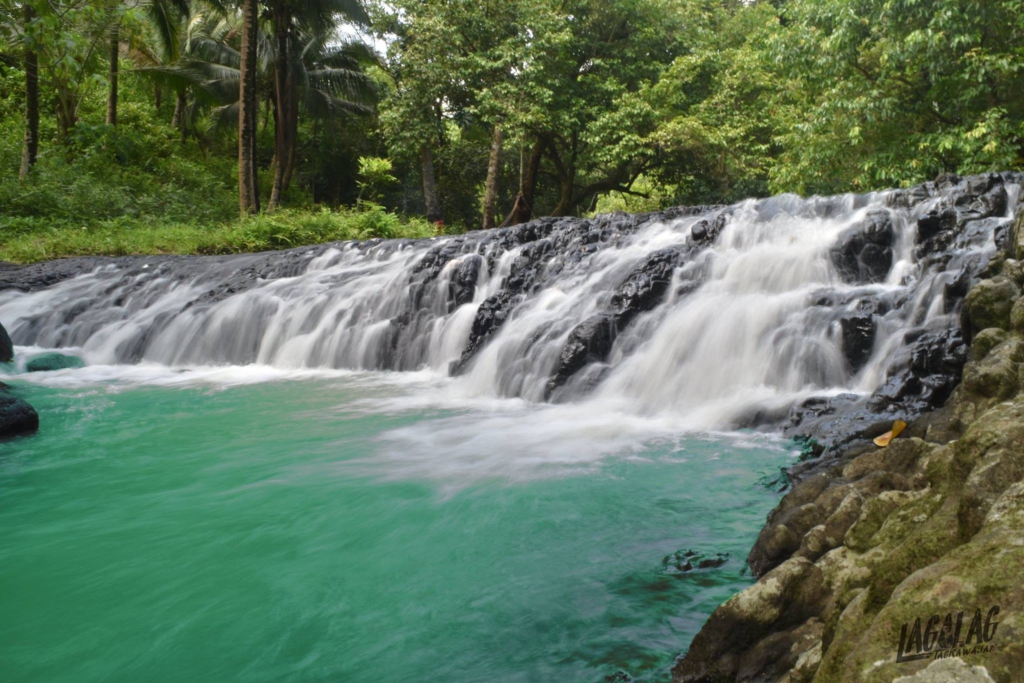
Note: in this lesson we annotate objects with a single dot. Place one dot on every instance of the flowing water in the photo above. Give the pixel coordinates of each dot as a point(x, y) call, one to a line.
point(287, 467)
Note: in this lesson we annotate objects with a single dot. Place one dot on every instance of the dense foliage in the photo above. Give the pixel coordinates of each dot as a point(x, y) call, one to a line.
point(379, 118)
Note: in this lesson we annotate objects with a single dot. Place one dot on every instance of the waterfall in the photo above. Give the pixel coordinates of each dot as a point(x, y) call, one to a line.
point(729, 316)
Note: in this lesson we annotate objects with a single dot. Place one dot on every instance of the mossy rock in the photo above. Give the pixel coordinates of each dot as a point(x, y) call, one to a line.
point(986, 340)
point(1014, 270)
point(989, 302)
point(979, 575)
point(53, 361)
point(1017, 316)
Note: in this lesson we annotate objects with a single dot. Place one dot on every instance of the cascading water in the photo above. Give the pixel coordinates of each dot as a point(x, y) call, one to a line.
point(530, 499)
point(723, 316)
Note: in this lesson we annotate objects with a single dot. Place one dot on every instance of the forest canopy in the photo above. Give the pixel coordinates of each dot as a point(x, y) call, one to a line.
point(152, 125)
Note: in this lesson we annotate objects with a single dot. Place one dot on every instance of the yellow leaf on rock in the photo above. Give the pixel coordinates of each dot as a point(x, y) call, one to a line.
point(897, 428)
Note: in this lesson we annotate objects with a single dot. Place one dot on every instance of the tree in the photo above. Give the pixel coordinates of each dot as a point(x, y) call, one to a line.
point(30, 148)
point(248, 185)
point(299, 26)
point(875, 94)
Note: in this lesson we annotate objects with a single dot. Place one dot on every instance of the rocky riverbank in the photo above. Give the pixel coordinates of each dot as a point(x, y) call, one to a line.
point(904, 562)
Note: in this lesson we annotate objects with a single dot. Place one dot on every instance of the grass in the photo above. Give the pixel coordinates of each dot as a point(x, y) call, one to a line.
point(27, 240)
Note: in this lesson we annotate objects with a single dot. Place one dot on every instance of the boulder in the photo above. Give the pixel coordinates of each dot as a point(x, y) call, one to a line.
point(53, 361)
point(645, 287)
point(788, 594)
point(16, 416)
point(589, 342)
point(1017, 316)
point(934, 222)
point(985, 341)
point(462, 285)
point(6, 346)
point(989, 303)
point(858, 337)
point(952, 670)
point(863, 253)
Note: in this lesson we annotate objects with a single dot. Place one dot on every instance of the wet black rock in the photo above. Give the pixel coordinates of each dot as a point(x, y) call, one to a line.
point(6, 346)
point(589, 342)
point(462, 285)
point(645, 287)
point(490, 316)
point(706, 231)
point(16, 416)
point(920, 379)
point(858, 340)
point(934, 222)
point(548, 244)
point(863, 253)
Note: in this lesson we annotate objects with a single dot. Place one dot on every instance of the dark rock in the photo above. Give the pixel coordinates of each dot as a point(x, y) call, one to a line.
point(705, 232)
point(589, 342)
point(53, 361)
point(646, 286)
point(16, 416)
point(489, 318)
point(462, 285)
point(863, 253)
point(934, 222)
point(6, 346)
point(858, 337)
point(685, 561)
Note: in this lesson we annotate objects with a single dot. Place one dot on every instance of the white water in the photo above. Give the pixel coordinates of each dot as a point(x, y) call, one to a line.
point(748, 337)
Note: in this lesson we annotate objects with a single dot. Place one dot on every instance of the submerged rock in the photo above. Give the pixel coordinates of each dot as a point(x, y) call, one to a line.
point(685, 561)
point(53, 361)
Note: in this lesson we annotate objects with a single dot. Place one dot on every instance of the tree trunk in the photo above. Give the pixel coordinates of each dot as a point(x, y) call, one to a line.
point(115, 53)
point(158, 96)
point(491, 186)
point(179, 110)
point(565, 202)
point(31, 146)
point(293, 131)
point(281, 108)
point(248, 197)
point(523, 210)
point(429, 188)
point(179, 119)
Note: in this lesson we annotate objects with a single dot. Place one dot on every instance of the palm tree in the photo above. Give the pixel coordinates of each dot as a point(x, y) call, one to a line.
point(166, 18)
point(203, 35)
point(326, 81)
point(290, 20)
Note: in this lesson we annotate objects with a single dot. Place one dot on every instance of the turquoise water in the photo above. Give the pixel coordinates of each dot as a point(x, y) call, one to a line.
point(357, 528)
